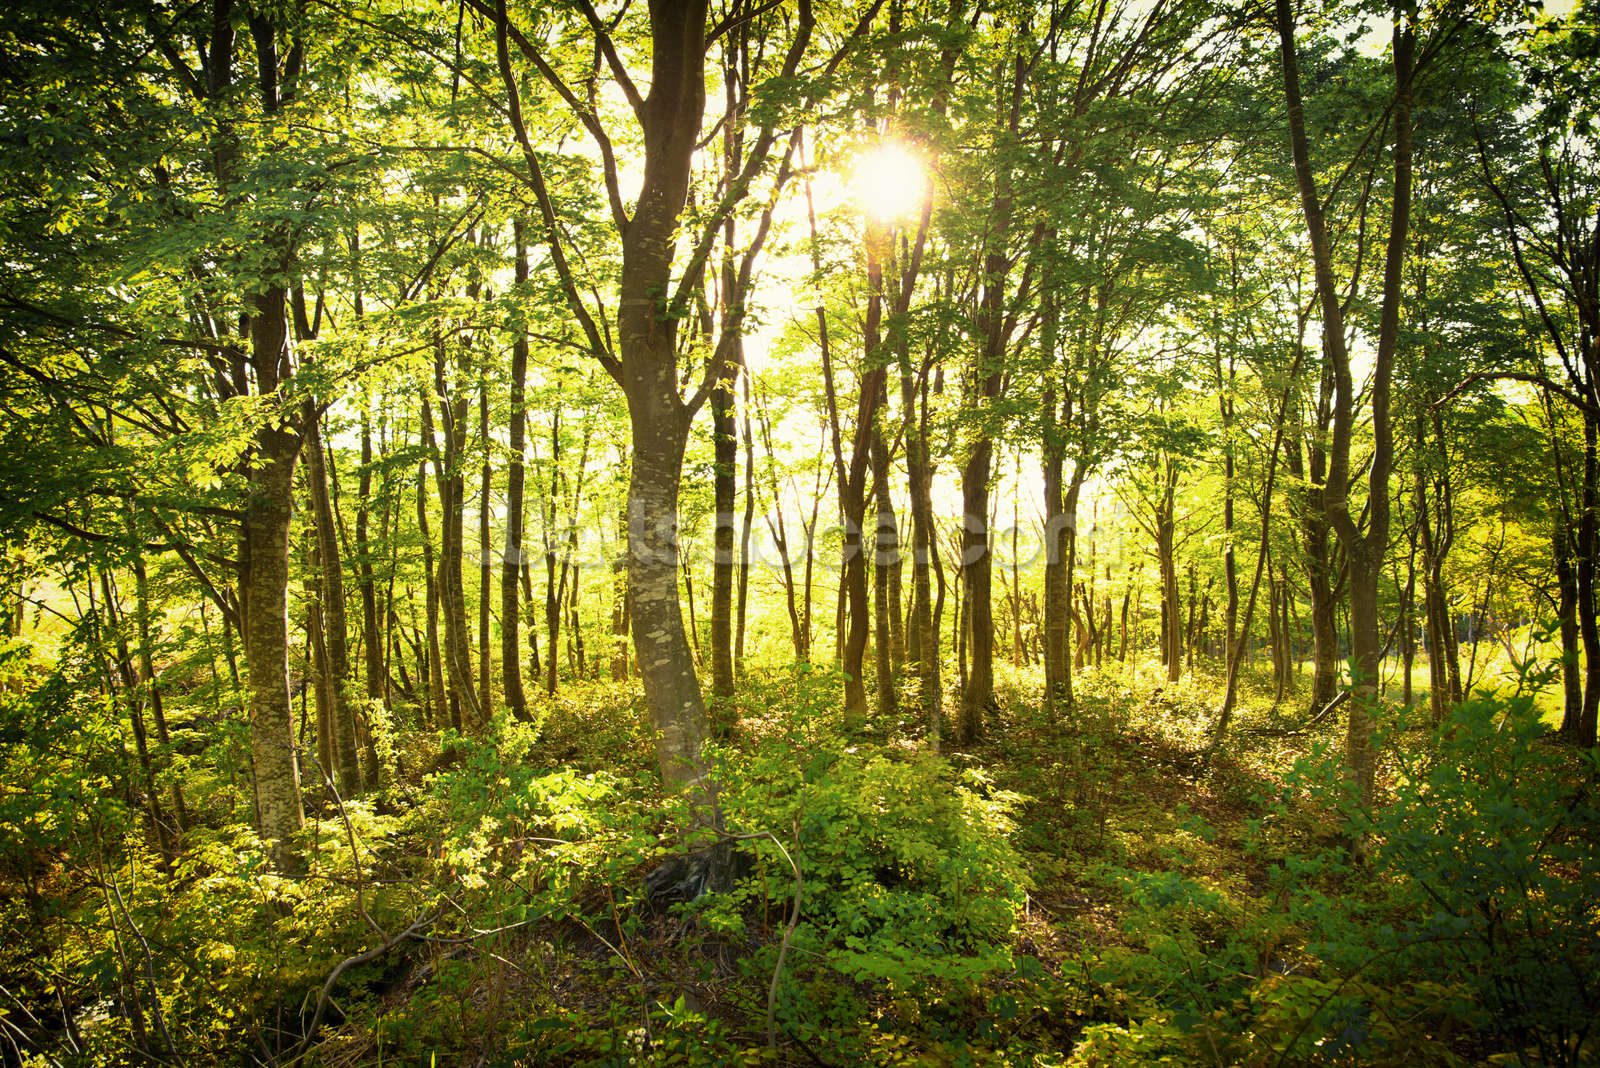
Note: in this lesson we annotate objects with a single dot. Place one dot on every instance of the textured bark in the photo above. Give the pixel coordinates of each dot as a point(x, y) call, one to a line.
point(677, 711)
point(1061, 519)
point(658, 417)
point(264, 595)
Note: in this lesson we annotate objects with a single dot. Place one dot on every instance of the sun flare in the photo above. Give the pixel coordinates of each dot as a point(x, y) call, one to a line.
point(889, 182)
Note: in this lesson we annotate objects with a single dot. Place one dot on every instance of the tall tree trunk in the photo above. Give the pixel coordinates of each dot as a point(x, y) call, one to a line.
point(372, 639)
point(988, 381)
point(725, 451)
point(619, 603)
point(1586, 559)
point(485, 554)
point(511, 558)
point(744, 532)
point(264, 586)
point(851, 473)
point(977, 696)
point(658, 417)
point(449, 473)
point(1365, 551)
point(334, 629)
point(1165, 522)
point(116, 622)
point(147, 669)
point(1225, 391)
point(264, 589)
point(924, 622)
point(1571, 666)
point(434, 667)
point(886, 551)
point(552, 594)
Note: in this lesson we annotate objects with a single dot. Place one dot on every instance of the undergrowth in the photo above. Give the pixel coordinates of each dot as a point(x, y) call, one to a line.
point(1077, 889)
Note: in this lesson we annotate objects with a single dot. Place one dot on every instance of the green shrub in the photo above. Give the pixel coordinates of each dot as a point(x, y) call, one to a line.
point(910, 879)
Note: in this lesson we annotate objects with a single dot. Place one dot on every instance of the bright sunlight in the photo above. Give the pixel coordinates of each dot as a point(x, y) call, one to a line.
point(889, 181)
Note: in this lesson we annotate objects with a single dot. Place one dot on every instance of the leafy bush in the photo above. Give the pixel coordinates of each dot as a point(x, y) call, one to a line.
point(1491, 849)
point(909, 878)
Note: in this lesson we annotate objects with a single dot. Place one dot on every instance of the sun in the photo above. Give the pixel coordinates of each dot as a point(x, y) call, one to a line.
point(889, 182)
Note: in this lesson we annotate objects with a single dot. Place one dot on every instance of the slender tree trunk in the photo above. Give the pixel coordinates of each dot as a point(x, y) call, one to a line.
point(116, 622)
point(147, 669)
point(511, 558)
point(619, 603)
point(886, 554)
point(1365, 551)
point(977, 696)
point(334, 629)
point(485, 555)
point(744, 532)
point(372, 641)
point(1166, 559)
point(448, 474)
point(1060, 504)
point(552, 594)
point(1586, 559)
point(1225, 387)
point(1567, 593)
point(725, 448)
point(434, 666)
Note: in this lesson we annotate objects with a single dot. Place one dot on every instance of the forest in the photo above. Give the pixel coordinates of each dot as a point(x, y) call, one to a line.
point(890, 532)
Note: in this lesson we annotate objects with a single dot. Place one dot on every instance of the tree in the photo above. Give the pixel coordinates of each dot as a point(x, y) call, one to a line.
point(1365, 548)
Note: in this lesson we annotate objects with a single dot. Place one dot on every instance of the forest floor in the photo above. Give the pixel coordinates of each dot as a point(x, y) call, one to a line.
point(1074, 888)
point(1151, 909)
